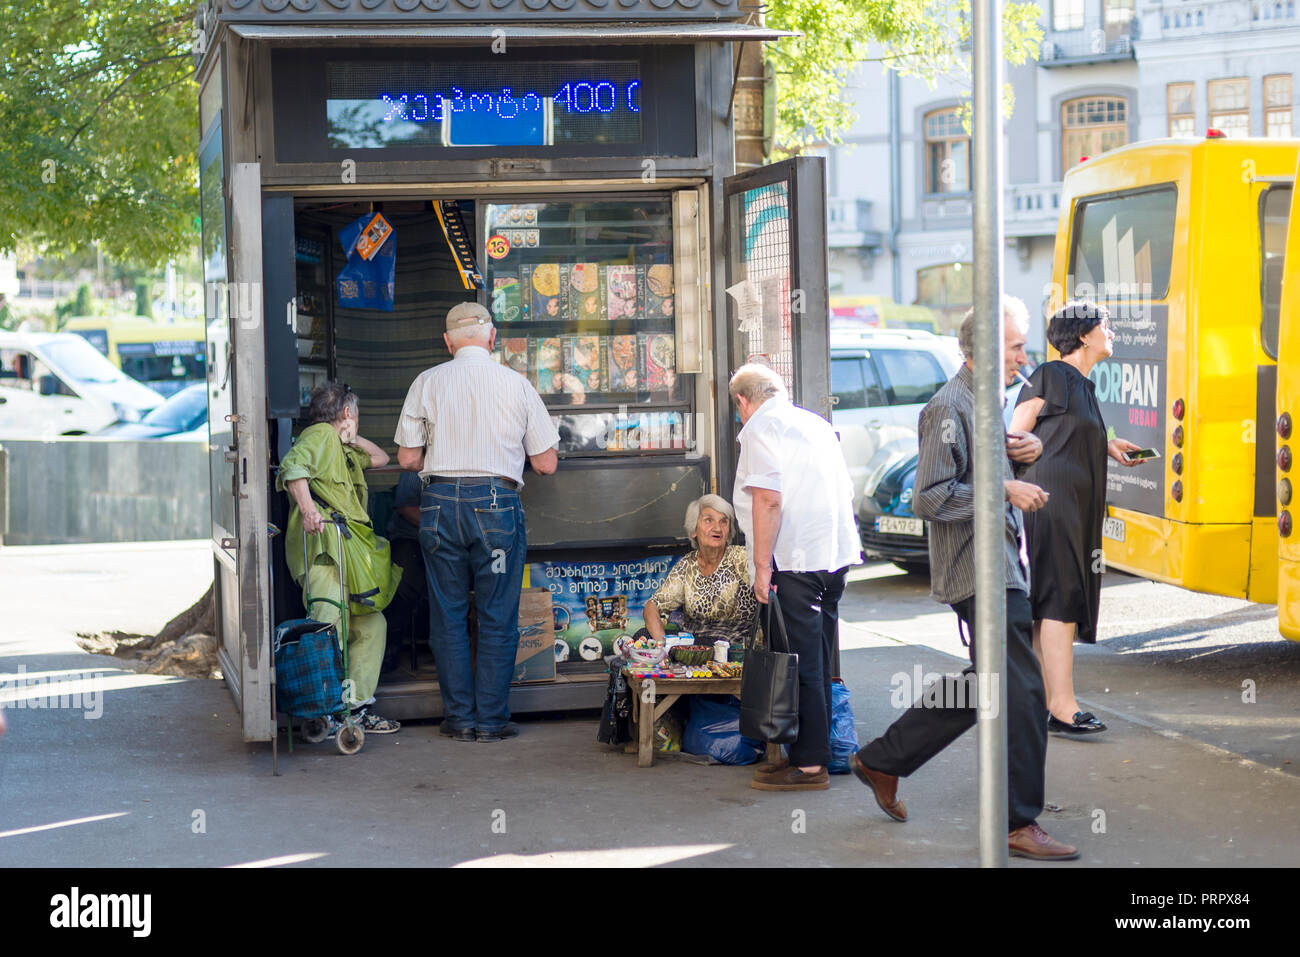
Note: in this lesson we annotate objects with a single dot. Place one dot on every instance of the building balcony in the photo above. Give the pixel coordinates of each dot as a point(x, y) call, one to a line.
point(1092, 41)
point(1031, 209)
point(42, 289)
point(1265, 13)
point(1175, 19)
point(947, 210)
point(848, 223)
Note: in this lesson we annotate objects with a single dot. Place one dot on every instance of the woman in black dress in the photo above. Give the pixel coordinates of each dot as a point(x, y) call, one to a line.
point(1059, 405)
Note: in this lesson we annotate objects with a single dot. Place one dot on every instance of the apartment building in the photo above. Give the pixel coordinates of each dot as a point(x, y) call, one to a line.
point(1109, 72)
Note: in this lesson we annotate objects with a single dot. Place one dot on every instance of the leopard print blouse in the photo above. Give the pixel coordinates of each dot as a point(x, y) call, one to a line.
point(717, 607)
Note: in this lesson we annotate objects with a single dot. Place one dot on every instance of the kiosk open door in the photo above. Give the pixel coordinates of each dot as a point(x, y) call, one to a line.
point(777, 303)
point(777, 306)
point(237, 412)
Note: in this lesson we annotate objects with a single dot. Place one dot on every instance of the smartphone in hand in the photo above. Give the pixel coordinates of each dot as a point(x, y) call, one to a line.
point(1142, 455)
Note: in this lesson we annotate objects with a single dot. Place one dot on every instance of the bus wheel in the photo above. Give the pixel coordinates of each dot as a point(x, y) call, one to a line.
point(350, 738)
point(314, 730)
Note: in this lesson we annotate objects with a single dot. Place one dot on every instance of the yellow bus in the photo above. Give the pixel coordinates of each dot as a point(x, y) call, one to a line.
point(1183, 241)
point(1288, 413)
point(877, 312)
point(164, 356)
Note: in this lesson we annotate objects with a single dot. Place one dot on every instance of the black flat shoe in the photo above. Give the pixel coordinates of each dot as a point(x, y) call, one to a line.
point(1085, 722)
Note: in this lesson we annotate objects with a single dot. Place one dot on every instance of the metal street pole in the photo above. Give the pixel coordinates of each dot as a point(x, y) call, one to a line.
point(990, 446)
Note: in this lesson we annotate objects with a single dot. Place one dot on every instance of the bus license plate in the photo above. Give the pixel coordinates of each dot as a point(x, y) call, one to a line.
point(888, 525)
point(1113, 528)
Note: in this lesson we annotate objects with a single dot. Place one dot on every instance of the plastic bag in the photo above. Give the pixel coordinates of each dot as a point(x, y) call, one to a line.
point(367, 283)
point(844, 736)
point(668, 732)
point(714, 730)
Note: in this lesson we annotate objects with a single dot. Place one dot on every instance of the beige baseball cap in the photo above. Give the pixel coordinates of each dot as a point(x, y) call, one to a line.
point(465, 314)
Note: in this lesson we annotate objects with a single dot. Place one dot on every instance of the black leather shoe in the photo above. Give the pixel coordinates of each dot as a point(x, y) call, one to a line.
point(456, 734)
point(1085, 722)
point(511, 730)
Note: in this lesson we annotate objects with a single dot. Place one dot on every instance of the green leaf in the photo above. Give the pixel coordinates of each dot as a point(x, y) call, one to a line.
point(918, 38)
point(98, 133)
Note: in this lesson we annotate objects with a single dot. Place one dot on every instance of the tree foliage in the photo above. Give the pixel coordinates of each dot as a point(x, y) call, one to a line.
point(929, 39)
point(99, 128)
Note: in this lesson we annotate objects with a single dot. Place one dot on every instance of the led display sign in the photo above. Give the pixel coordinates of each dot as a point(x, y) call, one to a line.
point(442, 103)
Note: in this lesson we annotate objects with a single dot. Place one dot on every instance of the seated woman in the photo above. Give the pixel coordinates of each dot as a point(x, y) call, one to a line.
point(325, 471)
point(710, 586)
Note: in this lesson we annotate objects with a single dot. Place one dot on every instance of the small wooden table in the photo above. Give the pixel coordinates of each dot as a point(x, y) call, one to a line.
point(666, 693)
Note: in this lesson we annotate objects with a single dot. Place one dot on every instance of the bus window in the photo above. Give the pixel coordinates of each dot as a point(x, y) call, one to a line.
point(1123, 246)
point(1274, 207)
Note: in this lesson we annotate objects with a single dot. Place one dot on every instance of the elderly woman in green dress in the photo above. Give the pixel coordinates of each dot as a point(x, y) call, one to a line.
point(324, 475)
point(710, 587)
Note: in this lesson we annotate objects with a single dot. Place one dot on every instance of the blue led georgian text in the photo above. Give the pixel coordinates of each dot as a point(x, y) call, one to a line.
point(576, 97)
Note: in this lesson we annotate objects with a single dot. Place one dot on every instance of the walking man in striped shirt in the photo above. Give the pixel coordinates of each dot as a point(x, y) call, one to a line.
point(466, 427)
point(945, 496)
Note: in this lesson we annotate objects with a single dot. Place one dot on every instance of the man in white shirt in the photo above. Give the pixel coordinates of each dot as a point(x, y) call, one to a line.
point(794, 502)
point(466, 427)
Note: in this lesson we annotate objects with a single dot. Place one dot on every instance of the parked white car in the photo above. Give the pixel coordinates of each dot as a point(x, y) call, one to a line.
point(54, 384)
point(881, 379)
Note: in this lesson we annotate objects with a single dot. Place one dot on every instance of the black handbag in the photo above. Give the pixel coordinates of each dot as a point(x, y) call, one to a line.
point(616, 717)
point(769, 684)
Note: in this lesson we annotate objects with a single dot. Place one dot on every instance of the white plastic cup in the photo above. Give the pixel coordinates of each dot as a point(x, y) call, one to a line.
point(720, 649)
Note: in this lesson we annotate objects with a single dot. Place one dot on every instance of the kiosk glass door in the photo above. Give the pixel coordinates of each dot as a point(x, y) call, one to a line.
point(582, 293)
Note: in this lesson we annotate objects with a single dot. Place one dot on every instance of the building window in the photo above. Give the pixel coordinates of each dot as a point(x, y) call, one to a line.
point(1230, 106)
point(947, 288)
point(1277, 106)
point(1118, 17)
point(1182, 109)
point(1092, 125)
point(1067, 15)
point(1274, 208)
point(947, 153)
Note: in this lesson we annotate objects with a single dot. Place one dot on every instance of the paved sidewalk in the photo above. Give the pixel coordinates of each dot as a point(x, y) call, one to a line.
point(163, 777)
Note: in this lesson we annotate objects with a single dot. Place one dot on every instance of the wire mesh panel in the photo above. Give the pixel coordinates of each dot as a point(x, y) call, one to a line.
point(762, 270)
point(776, 282)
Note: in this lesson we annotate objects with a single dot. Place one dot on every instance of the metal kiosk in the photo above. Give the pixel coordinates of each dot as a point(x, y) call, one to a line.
point(582, 149)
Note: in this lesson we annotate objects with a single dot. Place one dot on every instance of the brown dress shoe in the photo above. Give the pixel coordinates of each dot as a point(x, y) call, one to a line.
point(790, 779)
point(883, 786)
point(1033, 842)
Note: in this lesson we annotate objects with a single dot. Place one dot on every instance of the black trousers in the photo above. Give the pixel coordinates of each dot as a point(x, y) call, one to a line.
point(946, 710)
point(810, 603)
point(409, 607)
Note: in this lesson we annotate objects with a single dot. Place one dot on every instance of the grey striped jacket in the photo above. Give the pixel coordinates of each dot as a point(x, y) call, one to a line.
point(944, 495)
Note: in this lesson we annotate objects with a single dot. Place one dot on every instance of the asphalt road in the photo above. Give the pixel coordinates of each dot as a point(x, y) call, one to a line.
point(1213, 670)
point(1188, 775)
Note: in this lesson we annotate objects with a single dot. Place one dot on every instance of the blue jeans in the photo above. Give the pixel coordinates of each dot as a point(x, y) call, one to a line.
point(473, 539)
